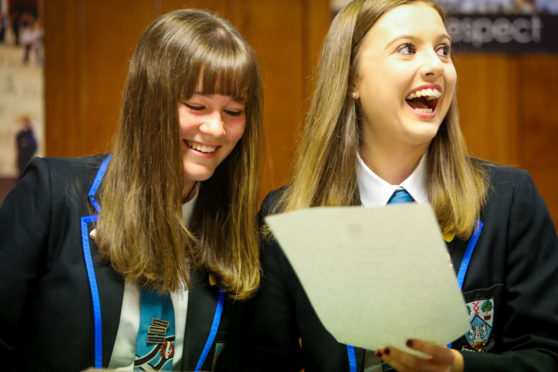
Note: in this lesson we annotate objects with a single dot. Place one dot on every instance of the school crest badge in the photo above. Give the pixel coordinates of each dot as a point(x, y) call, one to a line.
point(481, 317)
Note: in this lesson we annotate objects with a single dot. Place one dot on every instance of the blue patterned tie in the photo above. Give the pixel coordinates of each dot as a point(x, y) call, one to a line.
point(400, 196)
point(155, 340)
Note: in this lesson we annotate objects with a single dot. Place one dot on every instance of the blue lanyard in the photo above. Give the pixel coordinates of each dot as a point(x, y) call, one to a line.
point(98, 335)
point(460, 279)
point(352, 358)
point(468, 253)
point(467, 257)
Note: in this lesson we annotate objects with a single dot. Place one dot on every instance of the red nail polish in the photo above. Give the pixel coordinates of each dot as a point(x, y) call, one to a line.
point(410, 343)
point(386, 351)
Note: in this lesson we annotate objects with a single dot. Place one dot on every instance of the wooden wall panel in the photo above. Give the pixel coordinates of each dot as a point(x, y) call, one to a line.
point(487, 88)
point(110, 31)
point(221, 7)
point(279, 43)
point(538, 112)
point(89, 44)
point(61, 78)
point(87, 48)
point(507, 109)
point(509, 115)
point(316, 24)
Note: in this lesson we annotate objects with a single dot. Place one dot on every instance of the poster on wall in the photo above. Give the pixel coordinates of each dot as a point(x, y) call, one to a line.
point(509, 26)
point(21, 87)
point(498, 26)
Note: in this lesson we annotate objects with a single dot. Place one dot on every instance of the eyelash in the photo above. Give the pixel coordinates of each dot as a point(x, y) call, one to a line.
point(406, 46)
point(200, 108)
point(233, 113)
point(194, 107)
point(411, 47)
point(447, 49)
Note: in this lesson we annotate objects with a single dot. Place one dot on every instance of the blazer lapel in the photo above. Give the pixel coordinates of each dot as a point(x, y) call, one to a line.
point(111, 293)
point(202, 304)
point(456, 249)
point(109, 284)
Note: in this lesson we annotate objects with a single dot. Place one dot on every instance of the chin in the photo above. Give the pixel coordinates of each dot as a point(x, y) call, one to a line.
point(423, 136)
point(198, 176)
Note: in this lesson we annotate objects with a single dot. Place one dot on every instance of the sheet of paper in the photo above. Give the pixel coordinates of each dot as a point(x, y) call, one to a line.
point(375, 276)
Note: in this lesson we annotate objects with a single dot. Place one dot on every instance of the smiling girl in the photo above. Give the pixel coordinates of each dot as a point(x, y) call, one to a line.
point(139, 259)
point(383, 123)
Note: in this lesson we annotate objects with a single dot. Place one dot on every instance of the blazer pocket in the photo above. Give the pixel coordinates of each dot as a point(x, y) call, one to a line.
point(483, 308)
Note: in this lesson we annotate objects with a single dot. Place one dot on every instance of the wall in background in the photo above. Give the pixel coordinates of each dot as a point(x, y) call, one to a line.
point(89, 44)
point(509, 115)
point(508, 112)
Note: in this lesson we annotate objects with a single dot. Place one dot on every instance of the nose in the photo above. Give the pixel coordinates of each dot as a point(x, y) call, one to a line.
point(213, 124)
point(432, 67)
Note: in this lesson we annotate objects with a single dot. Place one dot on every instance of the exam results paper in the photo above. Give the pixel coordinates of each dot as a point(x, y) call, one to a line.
point(375, 276)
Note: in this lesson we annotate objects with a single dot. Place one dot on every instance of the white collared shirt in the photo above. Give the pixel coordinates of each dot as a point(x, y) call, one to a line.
point(124, 351)
point(375, 191)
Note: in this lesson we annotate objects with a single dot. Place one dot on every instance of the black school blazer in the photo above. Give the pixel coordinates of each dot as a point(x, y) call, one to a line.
point(46, 316)
point(511, 290)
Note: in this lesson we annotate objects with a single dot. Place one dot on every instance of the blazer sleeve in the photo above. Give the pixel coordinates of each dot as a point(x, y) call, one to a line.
point(24, 220)
point(273, 333)
point(530, 329)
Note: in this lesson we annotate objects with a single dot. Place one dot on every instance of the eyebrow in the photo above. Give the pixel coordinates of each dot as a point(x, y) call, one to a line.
point(443, 36)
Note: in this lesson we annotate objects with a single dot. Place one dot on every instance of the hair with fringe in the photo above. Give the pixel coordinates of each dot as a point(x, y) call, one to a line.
point(324, 173)
point(140, 229)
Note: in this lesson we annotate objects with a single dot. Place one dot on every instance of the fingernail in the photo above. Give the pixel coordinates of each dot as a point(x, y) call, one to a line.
point(378, 353)
point(410, 343)
point(386, 351)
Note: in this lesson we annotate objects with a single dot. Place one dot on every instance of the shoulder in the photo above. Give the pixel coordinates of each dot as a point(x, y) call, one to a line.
point(271, 202)
point(514, 199)
point(503, 174)
point(68, 169)
point(61, 177)
point(508, 182)
point(80, 165)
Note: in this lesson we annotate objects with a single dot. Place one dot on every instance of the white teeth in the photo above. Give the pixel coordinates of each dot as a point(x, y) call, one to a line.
point(429, 94)
point(425, 110)
point(202, 148)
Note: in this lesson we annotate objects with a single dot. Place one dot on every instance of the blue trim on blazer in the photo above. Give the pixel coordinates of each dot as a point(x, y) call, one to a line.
point(97, 320)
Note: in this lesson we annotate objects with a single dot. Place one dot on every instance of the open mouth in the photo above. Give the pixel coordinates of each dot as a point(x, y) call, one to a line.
point(201, 148)
point(424, 100)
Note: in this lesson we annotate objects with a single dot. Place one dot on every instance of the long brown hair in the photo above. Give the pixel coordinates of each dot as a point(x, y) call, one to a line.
point(140, 229)
point(325, 168)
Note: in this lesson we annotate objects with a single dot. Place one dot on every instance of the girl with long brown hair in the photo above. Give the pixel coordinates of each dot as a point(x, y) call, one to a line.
point(140, 259)
point(383, 124)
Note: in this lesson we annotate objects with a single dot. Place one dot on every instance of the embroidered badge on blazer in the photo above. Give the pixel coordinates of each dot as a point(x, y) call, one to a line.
point(481, 317)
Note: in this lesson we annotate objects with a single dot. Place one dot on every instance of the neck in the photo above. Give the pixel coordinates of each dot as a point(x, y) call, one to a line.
point(393, 167)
